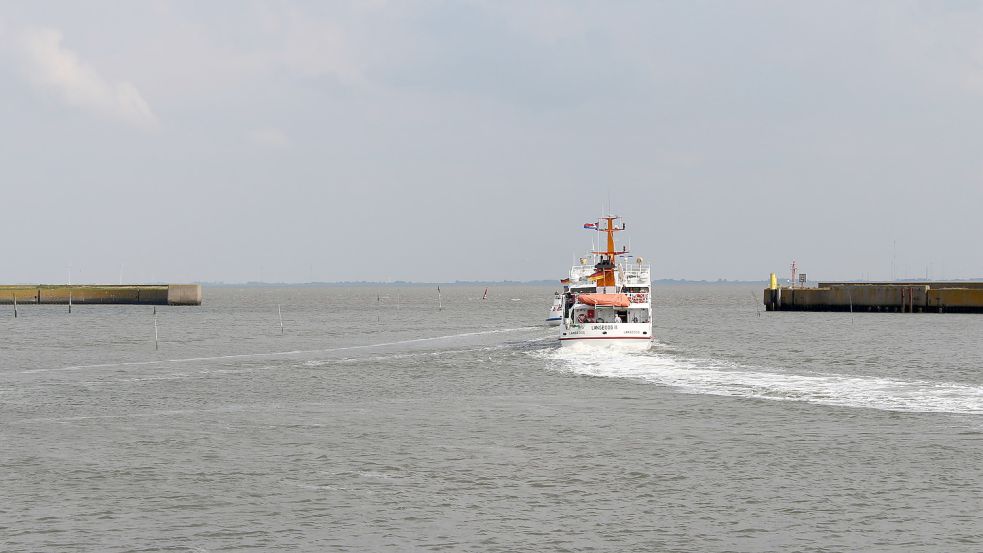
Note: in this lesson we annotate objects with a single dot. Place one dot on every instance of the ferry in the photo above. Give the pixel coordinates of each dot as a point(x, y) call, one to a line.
point(607, 299)
point(555, 316)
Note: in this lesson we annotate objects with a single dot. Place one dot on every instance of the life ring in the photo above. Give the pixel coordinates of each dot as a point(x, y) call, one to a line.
point(581, 318)
point(638, 298)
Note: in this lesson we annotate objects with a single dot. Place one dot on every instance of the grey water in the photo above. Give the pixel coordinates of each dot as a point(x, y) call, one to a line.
point(372, 425)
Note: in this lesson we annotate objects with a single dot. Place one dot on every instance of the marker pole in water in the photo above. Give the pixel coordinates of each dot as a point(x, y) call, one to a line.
point(440, 306)
point(280, 316)
point(156, 340)
point(849, 294)
point(13, 295)
point(69, 300)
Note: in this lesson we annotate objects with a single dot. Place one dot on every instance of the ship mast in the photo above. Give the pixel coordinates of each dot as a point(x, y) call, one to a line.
point(607, 265)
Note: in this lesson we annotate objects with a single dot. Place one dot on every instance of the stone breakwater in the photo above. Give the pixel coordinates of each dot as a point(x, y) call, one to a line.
point(890, 297)
point(134, 294)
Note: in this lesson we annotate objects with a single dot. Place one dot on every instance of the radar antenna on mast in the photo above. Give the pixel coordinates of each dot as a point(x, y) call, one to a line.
point(605, 268)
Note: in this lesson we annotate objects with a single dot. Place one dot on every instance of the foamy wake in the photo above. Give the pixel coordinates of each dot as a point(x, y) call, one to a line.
point(282, 353)
point(696, 376)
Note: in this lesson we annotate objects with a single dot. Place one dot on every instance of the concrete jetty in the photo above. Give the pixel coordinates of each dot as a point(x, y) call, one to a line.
point(889, 297)
point(134, 294)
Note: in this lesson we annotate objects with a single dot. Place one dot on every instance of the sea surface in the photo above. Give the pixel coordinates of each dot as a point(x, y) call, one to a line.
point(377, 422)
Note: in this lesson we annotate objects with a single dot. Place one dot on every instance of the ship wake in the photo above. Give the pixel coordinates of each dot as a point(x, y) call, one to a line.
point(704, 376)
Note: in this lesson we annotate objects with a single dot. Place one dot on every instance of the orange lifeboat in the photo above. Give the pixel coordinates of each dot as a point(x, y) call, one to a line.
point(605, 300)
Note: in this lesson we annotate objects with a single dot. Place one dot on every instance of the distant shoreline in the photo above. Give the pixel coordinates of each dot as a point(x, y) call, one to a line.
point(412, 284)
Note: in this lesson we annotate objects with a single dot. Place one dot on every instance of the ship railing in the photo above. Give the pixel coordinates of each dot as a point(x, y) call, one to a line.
point(578, 272)
point(626, 268)
point(631, 275)
point(636, 276)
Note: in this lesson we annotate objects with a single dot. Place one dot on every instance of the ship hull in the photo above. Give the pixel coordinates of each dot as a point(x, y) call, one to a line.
point(622, 336)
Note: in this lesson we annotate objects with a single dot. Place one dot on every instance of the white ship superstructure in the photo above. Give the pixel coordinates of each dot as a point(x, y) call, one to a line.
point(608, 297)
point(555, 316)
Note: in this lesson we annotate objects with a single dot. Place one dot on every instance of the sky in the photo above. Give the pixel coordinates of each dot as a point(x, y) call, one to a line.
point(471, 140)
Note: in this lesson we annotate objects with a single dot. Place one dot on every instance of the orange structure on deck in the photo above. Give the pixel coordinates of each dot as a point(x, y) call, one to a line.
point(611, 300)
point(606, 266)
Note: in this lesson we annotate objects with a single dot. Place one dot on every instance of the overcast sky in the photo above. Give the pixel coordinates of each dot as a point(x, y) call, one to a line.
point(437, 141)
